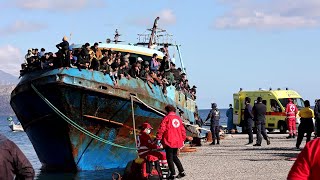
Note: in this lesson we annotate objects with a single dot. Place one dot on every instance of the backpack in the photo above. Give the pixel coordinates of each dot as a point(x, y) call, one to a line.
point(151, 168)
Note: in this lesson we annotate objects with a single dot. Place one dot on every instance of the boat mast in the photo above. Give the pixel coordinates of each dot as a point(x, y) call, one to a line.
point(154, 28)
point(180, 58)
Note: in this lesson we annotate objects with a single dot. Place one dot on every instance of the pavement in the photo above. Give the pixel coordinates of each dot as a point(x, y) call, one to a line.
point(233, 160)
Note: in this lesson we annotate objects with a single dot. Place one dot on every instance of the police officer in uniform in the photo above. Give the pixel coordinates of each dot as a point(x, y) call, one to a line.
point(248, 119)
point(214, 116)
point(259, 113)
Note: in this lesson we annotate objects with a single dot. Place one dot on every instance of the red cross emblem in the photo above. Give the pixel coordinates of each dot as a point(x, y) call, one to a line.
point(292, 108)
point(175, 123)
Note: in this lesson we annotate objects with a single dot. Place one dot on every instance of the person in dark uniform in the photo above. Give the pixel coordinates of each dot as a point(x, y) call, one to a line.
point(214, 116)
point(248, 119)
point(317, 116)
point(259, 113)
point(13, 163)
point(306, 123)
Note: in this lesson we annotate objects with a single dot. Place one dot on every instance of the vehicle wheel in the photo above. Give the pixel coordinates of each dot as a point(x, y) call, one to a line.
point(282, 127)
point(270, 130)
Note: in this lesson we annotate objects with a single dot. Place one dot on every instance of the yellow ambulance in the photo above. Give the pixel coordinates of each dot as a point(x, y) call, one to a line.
point(275, 100)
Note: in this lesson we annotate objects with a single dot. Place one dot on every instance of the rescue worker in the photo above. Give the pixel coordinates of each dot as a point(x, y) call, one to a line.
point(214, 116)
point(146, 145)
point(317, 117)
point(291, 111)
point(259, 116)
point(172, 134)
point(307, 164)
point(13, 163)
point(248, 119)
point(306, 123)
point(229, 114)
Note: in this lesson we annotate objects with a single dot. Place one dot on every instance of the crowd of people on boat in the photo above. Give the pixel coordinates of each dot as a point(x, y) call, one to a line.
point(153, 71)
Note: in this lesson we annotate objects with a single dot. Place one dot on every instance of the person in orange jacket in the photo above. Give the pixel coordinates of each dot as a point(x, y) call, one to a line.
point(307, 164)
point(172, 135)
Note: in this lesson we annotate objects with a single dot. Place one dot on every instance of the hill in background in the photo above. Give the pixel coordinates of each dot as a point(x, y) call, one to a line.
point(7, 84)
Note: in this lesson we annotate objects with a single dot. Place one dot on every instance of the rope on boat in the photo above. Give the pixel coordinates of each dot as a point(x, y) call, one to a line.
point(75, 125)
point(162, 114)
point(133, 121)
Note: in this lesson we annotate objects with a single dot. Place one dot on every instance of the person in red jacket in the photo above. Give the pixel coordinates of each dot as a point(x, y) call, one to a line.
point(145, 144)
point(307, 166)
point(291, 111)
point(172, 135)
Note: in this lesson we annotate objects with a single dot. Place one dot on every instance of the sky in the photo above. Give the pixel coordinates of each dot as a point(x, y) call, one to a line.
point(225, 44)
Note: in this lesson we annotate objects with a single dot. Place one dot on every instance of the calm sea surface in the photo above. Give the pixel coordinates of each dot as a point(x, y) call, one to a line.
point(22, 140)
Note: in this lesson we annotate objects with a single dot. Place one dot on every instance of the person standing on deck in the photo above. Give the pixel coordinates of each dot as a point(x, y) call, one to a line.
point(13, 163)
point(172, 134)
point(259, 114)
point(248, 119)
point(63, 54)
point(214, 116)
point(291, 111)
point(306, 123)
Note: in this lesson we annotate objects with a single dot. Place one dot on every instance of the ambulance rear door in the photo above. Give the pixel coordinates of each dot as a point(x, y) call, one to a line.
point(236, 109)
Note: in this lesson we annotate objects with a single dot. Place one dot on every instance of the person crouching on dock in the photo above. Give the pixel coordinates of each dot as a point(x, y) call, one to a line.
point(146, 145)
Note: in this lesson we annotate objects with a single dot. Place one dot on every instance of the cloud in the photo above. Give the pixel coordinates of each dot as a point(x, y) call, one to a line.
point(167, 17)
point(271, 14)
point(10, 59)
point(21, 26)
point(58, 5)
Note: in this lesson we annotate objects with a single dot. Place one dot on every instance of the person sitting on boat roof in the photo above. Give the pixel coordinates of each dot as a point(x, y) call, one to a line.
point(165, 66)
point(63, 53)
point(166, 50)
point(193, 92)
point(94, 63)
point(46, 61)
point(154, 65)
point(41, 53)
point(84, 57)
point(134, 71)
point(104, 66)
point(96, 50)
point(36, 52)
point(123, 72)
point(146, 145)
point(28, 55)
point(114, 73)
point(145, 71)
point(176, 72)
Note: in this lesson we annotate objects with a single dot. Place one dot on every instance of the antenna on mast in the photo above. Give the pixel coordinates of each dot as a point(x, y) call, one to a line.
point(153, 32)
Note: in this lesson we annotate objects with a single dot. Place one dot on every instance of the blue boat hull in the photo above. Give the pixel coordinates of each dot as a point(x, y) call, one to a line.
point(104, 111)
